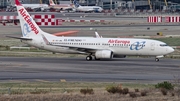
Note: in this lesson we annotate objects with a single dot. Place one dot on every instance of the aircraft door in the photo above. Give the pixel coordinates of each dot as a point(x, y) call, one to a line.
point(152, 46)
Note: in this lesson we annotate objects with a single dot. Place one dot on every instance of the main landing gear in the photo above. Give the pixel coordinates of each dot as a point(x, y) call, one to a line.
point(88, 58)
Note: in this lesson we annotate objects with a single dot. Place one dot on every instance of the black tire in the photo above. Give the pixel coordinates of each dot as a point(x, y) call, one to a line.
point(88, 58)
point(157, 60)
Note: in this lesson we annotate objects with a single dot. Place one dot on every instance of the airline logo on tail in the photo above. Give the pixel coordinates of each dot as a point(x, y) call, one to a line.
point(27, 18)
point(51, 2)
point(75, 3)
point(26, 29)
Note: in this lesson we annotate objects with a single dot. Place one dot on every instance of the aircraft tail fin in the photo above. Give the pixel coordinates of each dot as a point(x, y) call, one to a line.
point(51, 3)
point(28, 25)
point(76, 4)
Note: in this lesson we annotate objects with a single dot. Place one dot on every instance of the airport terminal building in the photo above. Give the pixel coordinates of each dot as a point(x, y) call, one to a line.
point(107, 4)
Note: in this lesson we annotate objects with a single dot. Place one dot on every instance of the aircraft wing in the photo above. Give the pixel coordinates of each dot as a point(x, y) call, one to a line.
point(22, 38)
point(82, 49)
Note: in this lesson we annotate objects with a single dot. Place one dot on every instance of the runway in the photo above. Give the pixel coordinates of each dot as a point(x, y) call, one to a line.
point(138, 70)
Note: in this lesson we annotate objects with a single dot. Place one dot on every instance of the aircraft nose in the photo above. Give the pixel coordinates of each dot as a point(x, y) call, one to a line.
point(171, 50)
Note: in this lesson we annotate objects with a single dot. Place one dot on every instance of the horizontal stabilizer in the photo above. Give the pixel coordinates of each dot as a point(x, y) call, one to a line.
point(22, 38)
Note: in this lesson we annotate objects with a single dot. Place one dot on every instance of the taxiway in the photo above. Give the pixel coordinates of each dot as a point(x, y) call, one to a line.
point(78, 69)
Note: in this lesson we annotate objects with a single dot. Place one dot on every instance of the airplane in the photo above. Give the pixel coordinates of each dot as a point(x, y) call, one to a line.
point(99, 48)
point(42, 7)
point(67, 7)
point(86, 8)
point(36, 6)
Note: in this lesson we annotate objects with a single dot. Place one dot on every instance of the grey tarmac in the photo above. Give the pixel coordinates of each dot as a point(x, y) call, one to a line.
point(140, 70)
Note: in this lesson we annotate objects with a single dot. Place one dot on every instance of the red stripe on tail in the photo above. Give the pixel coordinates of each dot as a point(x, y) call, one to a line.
point(17, 3)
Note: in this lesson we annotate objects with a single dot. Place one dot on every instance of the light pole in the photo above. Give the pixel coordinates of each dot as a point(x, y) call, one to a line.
point(111, 4)
point(166, 3)
point(56, 1)
point(134, 6)
point(40, 1)
point(150, 6)
point(97, 1)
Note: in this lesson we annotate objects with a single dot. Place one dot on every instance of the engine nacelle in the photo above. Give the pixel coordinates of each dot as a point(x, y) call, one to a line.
point(119, 56)
point(104, 54)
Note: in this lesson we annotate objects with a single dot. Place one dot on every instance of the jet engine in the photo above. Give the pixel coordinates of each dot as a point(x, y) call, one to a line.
point(104, 54)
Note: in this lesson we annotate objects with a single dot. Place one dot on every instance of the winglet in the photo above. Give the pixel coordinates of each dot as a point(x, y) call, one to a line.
point(17, 3)
point(97, 35)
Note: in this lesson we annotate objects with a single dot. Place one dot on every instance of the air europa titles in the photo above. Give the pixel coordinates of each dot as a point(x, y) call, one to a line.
point(119, 41)
point(28, 20)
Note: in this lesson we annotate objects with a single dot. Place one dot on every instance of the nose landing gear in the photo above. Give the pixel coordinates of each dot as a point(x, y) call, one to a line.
point(156, 59)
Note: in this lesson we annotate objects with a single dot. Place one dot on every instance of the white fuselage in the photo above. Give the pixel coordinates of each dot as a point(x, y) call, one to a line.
point(62, 7)
point(35, 6)
point(86, 8)
point(119, 46)
point(89, 9)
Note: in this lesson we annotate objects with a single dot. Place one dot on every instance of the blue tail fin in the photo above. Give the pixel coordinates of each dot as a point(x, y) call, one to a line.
point(76, 4)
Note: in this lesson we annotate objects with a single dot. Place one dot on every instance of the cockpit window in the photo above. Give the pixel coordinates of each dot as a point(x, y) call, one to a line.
point(163, 45)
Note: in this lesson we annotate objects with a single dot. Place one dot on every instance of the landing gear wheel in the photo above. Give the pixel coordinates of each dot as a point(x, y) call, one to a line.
point(88, 58)
point(157, 60)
